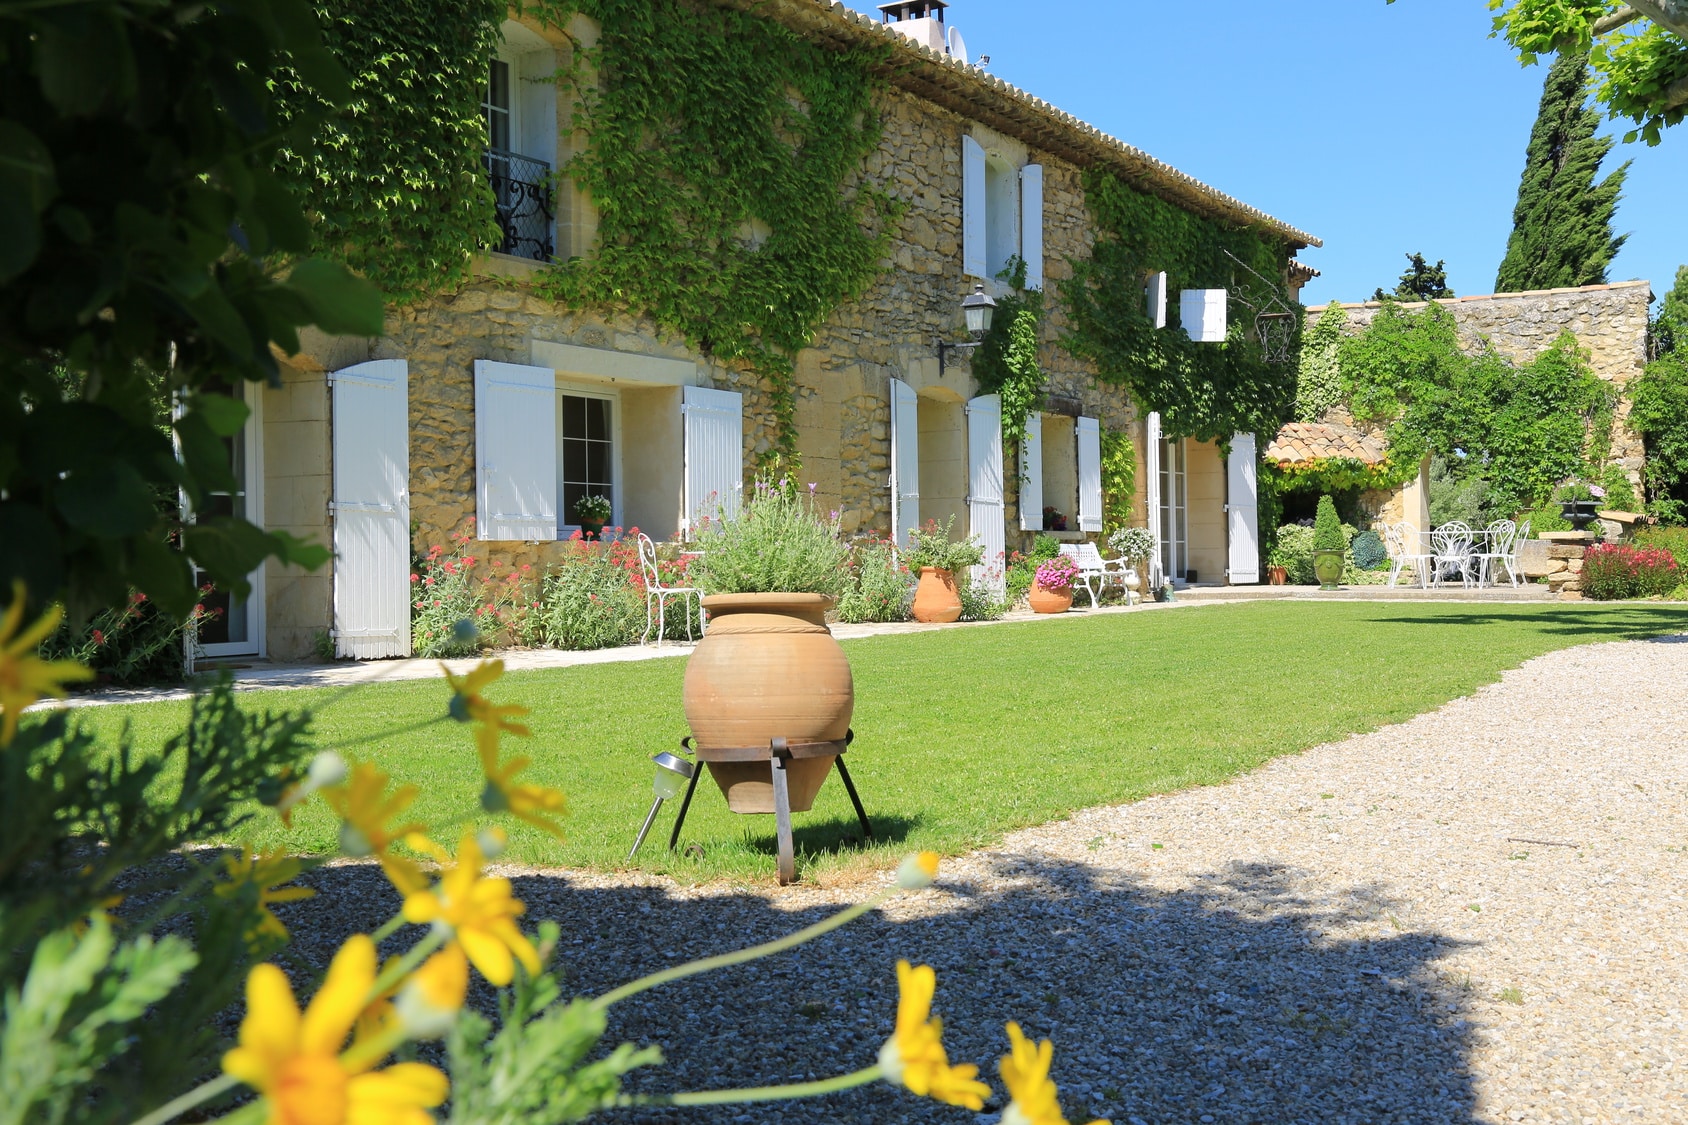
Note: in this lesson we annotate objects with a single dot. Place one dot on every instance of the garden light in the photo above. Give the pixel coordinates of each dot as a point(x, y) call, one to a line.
point(672, 773)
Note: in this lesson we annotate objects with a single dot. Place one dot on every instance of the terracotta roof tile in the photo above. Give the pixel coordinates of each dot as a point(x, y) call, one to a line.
point(1301, 443)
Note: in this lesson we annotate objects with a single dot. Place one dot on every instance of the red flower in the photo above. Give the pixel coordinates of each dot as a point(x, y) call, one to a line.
point(415, 578)
point(99, 637)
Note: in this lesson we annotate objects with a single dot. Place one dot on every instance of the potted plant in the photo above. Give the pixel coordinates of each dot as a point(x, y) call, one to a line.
point(1330, 546)
point(1577, 503)
point(937, 559)
point(1053, 520)
point(593, 512)
point(768, 667)
point(1052, 591)
point(1277, 566)
point(1136, 546)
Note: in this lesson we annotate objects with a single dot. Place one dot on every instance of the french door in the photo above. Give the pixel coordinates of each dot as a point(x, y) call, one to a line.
point(1174, 510)
point(233, 625)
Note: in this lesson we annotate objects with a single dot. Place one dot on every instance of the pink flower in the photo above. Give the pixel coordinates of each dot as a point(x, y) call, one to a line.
point(415, 578)
point(99, 637)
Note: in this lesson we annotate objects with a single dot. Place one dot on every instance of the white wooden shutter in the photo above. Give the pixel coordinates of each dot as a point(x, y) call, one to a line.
point(1243, 508)
point(1203, 314)
point(1031, 474)
point(1089, 434)
point(1031, 223)
point(985, 518)
point(1152, 470)
point(972, 208)
point(714, 436)
point(515, 451)
point(1157, 299)
point(905, 461)
point(371, 509)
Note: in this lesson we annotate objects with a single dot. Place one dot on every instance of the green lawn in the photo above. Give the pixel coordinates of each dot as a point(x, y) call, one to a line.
point(962, 734)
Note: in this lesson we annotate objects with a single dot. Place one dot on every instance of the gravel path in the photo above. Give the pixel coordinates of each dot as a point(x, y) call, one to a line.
point(1477, 915)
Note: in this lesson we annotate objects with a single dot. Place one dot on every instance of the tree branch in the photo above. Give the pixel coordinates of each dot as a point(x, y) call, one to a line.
point(1676, 94)
point(1614, 20)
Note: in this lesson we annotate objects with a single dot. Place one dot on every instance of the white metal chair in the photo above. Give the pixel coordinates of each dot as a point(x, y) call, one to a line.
point(1498, 548)
point(1450, 551)
point(657, 595)
point(1095, 572)
point(1401, 541)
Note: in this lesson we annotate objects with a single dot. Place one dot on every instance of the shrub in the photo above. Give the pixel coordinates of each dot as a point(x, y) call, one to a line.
point(879, 586)
point(1327, 528)
point(1620, 571)
point(1021, 570)
point(978, 603)
point(453, 613)
point(1619, 493)
point(1295, 549)
point(1672, 539)
point(1369, 552)
point(931, 546)
point(135, 644)
point(588, 601)
point(1548, 518)
point(778, 543)
point(1132, 543)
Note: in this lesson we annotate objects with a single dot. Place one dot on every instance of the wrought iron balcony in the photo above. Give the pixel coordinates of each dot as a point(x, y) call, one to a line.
point(521, 192)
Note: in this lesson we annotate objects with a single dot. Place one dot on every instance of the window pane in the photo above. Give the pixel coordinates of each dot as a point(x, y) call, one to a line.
point(571, 495)
point(574, 461)
point(574, 416)
point(598, 419)
point(598, 462)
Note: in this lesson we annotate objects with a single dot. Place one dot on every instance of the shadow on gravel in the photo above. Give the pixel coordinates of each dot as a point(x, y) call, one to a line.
point(1631, 623)
point(1225, 1004)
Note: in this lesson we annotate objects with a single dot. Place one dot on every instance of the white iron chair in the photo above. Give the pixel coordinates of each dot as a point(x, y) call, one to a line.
point(1095, 572)
point(657, 595)
point(1450, 552)
point(1401, 541)
point(1515, 547)
point(1498, 548)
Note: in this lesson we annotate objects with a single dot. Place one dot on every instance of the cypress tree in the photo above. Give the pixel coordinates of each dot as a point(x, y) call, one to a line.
point(1562, 227)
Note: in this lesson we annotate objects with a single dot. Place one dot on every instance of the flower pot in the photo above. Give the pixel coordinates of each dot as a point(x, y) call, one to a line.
point(590, 530)
point(1328, 566)
point(1581, 513)
point(768, 668)
point(1050, 601)
point(936, 601)
point(1277, 575)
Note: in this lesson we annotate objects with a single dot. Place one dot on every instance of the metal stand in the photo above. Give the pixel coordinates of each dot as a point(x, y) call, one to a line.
point(777, 753)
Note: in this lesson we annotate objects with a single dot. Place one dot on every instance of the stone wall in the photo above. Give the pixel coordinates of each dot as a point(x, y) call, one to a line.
point(1609, 321)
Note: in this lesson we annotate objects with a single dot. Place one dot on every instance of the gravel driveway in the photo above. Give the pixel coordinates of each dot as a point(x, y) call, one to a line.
point(1477, 915)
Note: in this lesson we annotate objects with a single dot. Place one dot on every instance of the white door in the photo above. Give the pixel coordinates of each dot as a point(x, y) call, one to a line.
point(234, 625)
point(1152, 482)
point(515, 452)
point(1088, 435)
point(985, 516)
point(905, 461)
point(371, 509)
point(714, 438)
point(1242, 509)
point(1174, 510)
point(1031, 474)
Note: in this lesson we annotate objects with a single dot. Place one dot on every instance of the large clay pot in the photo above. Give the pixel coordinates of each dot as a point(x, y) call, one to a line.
point(768, 668)
point(1277, 575)
point(936, 601)
point(1050, 601)
point(1327, 565)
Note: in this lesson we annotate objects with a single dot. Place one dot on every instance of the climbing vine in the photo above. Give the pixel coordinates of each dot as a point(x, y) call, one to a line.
point(1005, 362)
point(1318, 386)
point(393, 181)
point(723, 158)
point(1119, 479)
point(1204, 391)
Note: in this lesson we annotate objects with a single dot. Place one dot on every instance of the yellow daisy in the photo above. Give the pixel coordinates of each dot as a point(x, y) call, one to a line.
point(24, 677)
point(300, 1064)
point(264, 872)
point(468, 705)
point(365, 808)
point(1025, 1071)
point(536, 804)
point(914, 1055)
point(480, 915)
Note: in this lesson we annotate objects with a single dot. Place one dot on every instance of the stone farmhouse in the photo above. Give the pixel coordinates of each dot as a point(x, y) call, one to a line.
point(494, 403)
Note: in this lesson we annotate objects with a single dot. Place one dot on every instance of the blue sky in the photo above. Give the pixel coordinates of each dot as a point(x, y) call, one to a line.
point(1380, 128)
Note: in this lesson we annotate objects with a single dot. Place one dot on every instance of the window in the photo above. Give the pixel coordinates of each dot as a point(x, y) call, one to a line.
point(586, 452)
point(1002, 214)
point(495, 105)
point(519, 106)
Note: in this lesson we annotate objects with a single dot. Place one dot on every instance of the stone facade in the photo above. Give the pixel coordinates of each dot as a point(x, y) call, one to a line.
point(1609, 322)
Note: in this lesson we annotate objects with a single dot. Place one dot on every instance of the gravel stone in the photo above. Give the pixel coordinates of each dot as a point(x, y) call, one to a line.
point(1476, 915)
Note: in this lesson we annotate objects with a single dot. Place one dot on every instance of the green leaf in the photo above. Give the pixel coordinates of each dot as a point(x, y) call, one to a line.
point(162, 574)
point(298, 552)
point(109, 500)
point(228, 550)
point(341, 304)
point(224, 415)
point(26, 187)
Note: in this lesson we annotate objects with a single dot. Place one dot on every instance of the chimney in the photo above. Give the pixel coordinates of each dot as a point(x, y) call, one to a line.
point(920, 20)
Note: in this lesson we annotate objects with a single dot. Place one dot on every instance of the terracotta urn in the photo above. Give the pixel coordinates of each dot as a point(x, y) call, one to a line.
point(768, 668)
point(1277, 575)
point(936, 601)
point(1050, 601)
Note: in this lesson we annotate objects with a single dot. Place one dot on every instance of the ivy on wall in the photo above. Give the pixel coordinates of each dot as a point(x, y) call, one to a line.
point(722, 160)
point(1204, 391)
point(1318, 385)
point(1005, 362)
point(1119, 479)
point(394, 181)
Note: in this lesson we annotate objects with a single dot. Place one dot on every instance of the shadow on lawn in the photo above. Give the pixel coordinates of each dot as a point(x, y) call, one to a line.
point(1627, 624)
point(1227, 1000)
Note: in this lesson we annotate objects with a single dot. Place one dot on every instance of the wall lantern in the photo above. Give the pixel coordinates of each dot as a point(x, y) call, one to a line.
point(977, 307)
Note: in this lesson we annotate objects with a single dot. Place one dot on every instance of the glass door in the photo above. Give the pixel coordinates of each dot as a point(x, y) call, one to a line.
point(1174, 509)
point(233, 625)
